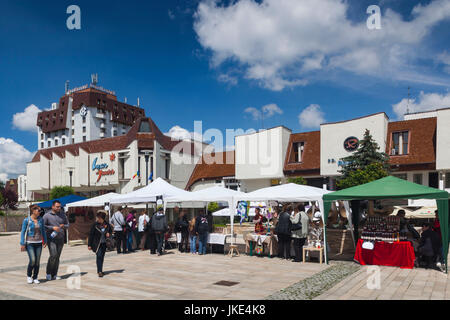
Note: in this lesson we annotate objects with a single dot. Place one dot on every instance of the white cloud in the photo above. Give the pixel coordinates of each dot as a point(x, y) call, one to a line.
point(444, 58)
point(13, 158)
point(171, 15)
point(311, 117)
point(226, 78)
point(425, 102)
point(179, 133)
point(286, 43)
point(267, 111)
point(26, 121)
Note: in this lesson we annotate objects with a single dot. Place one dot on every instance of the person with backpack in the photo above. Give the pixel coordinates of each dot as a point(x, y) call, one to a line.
point(119, 230)
point(201, 230)
point(32, 239)
point(100, 232)
point(182, 226)
point(300, 225)
point(283, 231)
point(159, 227)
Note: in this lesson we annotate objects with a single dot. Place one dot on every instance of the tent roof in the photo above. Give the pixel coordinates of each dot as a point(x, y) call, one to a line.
point(63, 200)
point(215, 193)
point(94, 202)
point(387, 188)
point(159, 187)
point(290, 192)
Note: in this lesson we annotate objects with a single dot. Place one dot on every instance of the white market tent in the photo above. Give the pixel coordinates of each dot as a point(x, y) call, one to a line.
point(213, 194)
point(157, 188)
point(290, 192)
point(225, 212)
point(99, 201)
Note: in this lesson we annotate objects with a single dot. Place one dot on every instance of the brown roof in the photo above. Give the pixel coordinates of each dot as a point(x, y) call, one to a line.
point(311, 154)
point(54, 120)
point(223, 167)
point(145, 141)
point(422, 142)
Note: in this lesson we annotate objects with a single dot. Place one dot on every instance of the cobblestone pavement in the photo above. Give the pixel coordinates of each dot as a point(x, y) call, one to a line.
point(317, 284)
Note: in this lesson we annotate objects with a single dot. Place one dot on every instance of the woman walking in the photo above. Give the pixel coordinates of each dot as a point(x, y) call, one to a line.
point(100, 231)
point(32, 239)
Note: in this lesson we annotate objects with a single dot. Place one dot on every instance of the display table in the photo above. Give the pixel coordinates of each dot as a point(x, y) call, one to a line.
point(396, 254)
point(320, 250)
point(213, 238)
point(270, 241)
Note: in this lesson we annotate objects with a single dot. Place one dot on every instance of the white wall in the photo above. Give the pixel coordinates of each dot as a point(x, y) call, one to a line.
point(332, 137)
point(262, 154)
point(443, 140)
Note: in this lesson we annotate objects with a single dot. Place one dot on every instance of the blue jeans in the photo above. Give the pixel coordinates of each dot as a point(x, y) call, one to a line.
point(130, 241)
point(34, 251)
point(202, 241)
point(100, 257)
point(193, 243)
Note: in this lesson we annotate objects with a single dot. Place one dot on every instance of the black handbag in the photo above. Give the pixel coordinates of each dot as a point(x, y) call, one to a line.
point(296, 226)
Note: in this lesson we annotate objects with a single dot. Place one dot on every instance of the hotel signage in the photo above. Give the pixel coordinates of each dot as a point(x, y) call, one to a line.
point(102, 169)
point(351, 144)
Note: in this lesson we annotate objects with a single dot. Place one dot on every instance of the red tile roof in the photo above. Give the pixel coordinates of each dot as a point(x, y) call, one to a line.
point(311, 155)
point(213, 166)
point(422, 144)
point(145, 141)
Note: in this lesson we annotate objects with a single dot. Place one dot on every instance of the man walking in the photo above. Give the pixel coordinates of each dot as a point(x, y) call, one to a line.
point(201, 229)
point(183, 228)
point(119, 230)
point(55, 223)
point(160, 227)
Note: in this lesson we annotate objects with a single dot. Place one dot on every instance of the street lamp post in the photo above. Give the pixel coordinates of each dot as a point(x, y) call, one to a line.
point(147, 158)
point(70, 174)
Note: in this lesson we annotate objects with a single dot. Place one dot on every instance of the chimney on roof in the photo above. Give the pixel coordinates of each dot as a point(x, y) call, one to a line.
point(67, 86)
point(125, 99)
point(139, 102)
point(94, 79)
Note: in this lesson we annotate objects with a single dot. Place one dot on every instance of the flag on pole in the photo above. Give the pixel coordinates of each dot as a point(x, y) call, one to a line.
point(136, 175)
point(151, 177)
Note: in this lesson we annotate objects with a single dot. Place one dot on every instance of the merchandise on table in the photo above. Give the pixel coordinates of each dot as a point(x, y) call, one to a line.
point(383, 229)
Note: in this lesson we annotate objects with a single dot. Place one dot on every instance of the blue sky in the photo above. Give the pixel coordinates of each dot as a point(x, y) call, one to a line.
point(222, 62)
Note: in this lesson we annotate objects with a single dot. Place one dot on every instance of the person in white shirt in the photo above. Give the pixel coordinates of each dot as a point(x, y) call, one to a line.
point(118, 222)
point(143, 221)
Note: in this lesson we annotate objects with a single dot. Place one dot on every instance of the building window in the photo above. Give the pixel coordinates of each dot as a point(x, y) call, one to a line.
point(84, 129)
point(49, 144)
point(167, 168)
point(56, 142)
point(400, 143)
point(84, 138)
point(418, 178)
point(63, 141)
point(73, 141)
point(73, 123)
point(42, 145)
point(84, 119)
point(114, 133)
point(298, 148)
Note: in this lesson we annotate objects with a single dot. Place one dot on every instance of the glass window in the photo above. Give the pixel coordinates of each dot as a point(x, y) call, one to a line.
point(418, 178)
point(56, 142)
point(447, 180)
point(145, 127)
point(84, 129)
point(400, 143)
point(395, 143)
point(84, 138)
point(405, 137)
point(63, 141)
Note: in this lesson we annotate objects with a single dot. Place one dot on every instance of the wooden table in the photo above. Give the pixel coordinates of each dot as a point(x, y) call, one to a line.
point(313, 249)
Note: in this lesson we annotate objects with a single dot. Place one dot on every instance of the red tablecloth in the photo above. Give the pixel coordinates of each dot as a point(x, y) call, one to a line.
point(397, 254)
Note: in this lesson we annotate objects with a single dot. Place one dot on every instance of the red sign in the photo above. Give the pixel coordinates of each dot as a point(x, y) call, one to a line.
point(102, 173)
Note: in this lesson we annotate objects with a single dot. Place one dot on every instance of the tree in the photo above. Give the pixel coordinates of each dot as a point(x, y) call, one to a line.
point(298, 180)
point(365, 165)
point(213, 206)
point(59, 192)
point(9, 201)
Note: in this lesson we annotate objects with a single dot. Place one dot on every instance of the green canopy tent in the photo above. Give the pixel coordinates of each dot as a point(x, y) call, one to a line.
point(394, 188)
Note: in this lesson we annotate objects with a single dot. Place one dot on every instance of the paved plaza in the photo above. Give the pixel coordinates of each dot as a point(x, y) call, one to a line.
point(178, 276)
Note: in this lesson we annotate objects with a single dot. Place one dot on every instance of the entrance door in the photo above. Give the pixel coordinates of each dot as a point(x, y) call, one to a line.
point(433, 180)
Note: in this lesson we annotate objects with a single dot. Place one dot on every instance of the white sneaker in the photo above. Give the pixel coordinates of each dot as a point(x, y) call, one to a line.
point(49, 277)
point(438, 264)
point(56, 278)
point(36, 281)
point(29, 280)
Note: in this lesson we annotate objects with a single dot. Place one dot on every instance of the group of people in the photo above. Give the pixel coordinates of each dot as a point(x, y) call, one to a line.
point(292, 225)
point(40, 232)
point(196, 229)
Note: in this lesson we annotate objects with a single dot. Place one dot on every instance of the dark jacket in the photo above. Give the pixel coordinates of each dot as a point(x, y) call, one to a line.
point(159, 223)
point(284, 226)
point(210, 222)
point(201, 224)
point(95, 235)
point(182, 225)
point(429, 243)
